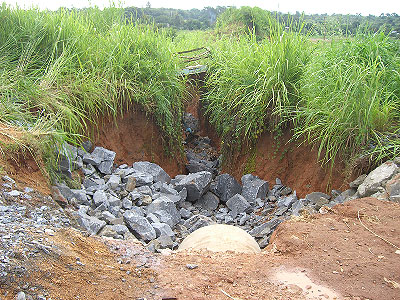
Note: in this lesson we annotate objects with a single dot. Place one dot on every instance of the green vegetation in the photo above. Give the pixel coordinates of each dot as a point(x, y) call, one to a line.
point(61, 71)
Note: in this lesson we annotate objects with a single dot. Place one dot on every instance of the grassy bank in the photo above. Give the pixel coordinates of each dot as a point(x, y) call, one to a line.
point(60, 71)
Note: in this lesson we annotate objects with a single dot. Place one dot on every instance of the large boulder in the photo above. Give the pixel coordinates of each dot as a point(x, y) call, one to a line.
point(220, 238)
point(154, 170)
point(196, 185)
point(226, 187)
point(254, 187)
point(139, 226)
point(165, 210)
point(376, 178)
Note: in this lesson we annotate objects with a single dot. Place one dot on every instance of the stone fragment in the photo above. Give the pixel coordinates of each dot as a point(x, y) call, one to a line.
point(196, 184)
point(357, 182)
point(253, 188)
point(315, 196)
point(99, 197)
point(139, 226)
point(196, 222)
point(376, 178)
point(287, 201)
point(163, 229)
point(130, 183)
point(208, 201)
point(238, 204)
point(150, 168)
point(265, 229)
point(165, 210)
point(114, 181)
point(91, 224)
point(226, 187)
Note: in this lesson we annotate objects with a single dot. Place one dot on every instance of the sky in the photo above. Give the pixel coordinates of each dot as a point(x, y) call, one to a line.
point(363, 7)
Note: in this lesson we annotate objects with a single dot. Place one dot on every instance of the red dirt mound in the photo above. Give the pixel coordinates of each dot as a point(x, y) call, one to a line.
point(296, 165)
point(134, 137)
point(331, 256)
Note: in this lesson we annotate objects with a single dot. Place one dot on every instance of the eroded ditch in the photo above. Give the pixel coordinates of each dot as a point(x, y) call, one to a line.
point(142, 201)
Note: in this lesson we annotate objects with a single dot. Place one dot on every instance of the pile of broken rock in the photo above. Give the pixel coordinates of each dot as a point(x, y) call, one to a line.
point(142, 202)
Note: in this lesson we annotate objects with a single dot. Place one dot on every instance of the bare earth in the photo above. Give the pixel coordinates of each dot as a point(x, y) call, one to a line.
point(329, 256)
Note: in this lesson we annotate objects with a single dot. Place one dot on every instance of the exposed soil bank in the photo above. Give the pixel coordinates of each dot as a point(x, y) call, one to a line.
point(296, 165)
point(135, 137)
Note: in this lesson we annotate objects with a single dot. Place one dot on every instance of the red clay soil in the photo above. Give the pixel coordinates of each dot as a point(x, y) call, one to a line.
point(296, 165)
point(330, 256)
point(20, 164)
point(134, 137)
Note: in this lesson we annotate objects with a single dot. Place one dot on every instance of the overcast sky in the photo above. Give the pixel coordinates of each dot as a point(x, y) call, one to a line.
point(364, 7)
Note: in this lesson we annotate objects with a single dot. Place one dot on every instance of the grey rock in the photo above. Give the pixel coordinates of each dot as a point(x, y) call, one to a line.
point(265, 228)
point(196, 222)
point(126, 203)
point(281, 211)
point(108, 231)
point(152, 218)
point(80, 196)
point(228, 219)
point(393, 190)
point(114, 181)
point(191, 266)
point(357, 182)
point(8, 178)
point(165, 241)
point(107, 216)
point(99, 197)
point(264, 242)
point(139, 226)
point(120, 229)
point(196, 185)
point(91, 224)
point(165, 210)
point(114, 201)
point(135, 210)
point(287, 201)
point(226, 187)
point(208, 201)
point(376, 178)
point(253, 188)
point(163, 229)
point(315, 196)
point(150, 168)
point(142, 178)
point(297, 207)
point(238, 204)
point(185, 214)
point(20, 296)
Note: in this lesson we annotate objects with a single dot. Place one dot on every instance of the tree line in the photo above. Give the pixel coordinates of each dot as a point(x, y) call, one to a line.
point(315, 24)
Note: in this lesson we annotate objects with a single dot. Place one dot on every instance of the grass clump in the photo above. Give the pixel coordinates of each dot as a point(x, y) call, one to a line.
point(350, 98)
point(64, 70)
point(251, 83)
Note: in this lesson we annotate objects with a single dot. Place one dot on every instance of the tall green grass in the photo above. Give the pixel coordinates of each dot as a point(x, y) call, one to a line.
point(251, 82)
point(350, 95)
point(69, 68)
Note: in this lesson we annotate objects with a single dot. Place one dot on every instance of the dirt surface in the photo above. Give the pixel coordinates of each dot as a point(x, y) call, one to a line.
point(134, 137)
point(330, 256)
point(324, 256)
point(296, 165)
